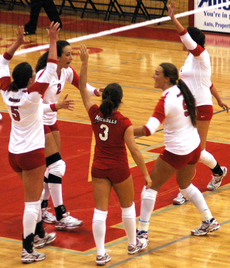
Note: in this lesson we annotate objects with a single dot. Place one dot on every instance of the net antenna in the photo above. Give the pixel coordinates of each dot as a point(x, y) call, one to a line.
point(124, 28)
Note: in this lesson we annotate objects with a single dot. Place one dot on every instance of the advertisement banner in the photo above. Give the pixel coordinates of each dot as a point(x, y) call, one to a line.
point(213, 20)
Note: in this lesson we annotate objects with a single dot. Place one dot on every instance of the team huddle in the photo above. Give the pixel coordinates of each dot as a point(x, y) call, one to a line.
point(185, 110)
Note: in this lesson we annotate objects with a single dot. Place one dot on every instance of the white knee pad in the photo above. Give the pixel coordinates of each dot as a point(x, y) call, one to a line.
point(148, 194)
point(207, 159)
point(57, 168)
point(129, 213)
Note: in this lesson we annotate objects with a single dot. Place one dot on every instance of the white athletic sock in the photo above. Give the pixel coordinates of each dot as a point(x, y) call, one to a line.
point(99, 230)
point(148, 199)
point(56, 194)
point(207, 159)
point(129, 222)
point(40, 209)
point(193, 194)
point(30, 217)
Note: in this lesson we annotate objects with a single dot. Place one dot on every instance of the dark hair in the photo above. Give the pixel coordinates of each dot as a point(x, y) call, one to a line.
point(42, 61)
point(170, 70)
point(197, 35)
point(21, 75)
point(111, 98)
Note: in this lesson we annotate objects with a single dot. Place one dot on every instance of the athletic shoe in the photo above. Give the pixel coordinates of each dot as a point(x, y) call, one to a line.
point(68, 223)
point(216, 180)
point(47, 216)
point(206, 227)
point(179, 200)
point(42, 242)
point(143, 234)
point(140, 245)
point(103, 259)
point(32, 257)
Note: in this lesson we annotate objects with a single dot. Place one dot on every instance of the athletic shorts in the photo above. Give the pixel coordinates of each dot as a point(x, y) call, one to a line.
point(115, 175)
point(179, 161)
point(204, 112)
point(48, 129)
point(27, 161)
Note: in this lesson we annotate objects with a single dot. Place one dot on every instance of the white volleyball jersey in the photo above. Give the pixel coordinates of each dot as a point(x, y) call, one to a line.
point(25, 108)
point(180, 136)
point(196, 72)
point(53, 93)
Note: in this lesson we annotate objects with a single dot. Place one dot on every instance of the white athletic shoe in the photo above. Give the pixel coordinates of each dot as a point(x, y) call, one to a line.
point(143, 234)
point(42, 242)
point(140, 245)
point(103, 259)
point(32, 257)
point(68, 223)
point(206, 227)
point(216, 180)
point(179, 200)
point(47, 216)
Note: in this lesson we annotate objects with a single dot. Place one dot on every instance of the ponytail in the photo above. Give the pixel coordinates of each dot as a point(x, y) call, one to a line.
point(111, 99)
point(42, 62)
point(170, 70)
point(189, 101)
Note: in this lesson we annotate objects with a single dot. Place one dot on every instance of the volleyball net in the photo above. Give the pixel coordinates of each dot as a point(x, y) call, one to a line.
point(88, 19)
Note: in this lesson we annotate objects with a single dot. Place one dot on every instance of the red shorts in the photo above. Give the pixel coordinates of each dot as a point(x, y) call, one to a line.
point(48, 129)
point(27, 161)
point(115, 175)
point(179, 161)
point(204, 112)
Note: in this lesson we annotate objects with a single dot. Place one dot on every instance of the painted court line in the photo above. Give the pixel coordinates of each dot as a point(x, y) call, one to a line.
point(121, 240)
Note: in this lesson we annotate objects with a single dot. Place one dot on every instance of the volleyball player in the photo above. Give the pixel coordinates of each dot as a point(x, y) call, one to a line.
point(196, 73)
point(27, 141)
point(177, 112)
point(54, 162)
point(110, 165)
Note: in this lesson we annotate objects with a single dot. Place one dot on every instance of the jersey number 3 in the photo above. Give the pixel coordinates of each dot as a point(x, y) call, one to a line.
point(104, 136)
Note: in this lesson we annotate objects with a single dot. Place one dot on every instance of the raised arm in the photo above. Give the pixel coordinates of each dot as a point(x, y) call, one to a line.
point(86, 97)
point(53, 32)
point(45, 78)
point(5, 59)
point(171, 12)
point(19, 41)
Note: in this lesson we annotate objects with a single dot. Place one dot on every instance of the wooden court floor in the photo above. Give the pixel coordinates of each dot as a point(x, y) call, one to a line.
point(131, 62)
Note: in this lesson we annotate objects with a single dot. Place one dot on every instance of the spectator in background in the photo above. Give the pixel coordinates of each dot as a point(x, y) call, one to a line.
point(36, 5)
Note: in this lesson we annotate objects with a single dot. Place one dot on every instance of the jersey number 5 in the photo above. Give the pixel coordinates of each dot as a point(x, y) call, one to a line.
point(15, 113)
point(104, 136)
